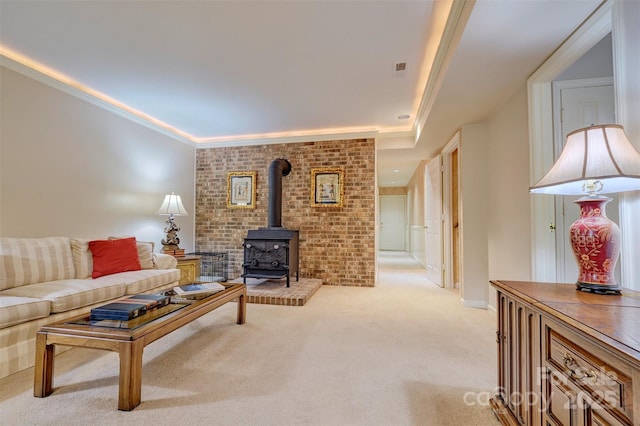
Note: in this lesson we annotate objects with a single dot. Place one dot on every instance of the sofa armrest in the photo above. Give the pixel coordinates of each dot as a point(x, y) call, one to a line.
point(165, 261)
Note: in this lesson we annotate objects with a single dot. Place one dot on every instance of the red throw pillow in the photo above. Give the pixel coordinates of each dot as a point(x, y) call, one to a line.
point(113, 256)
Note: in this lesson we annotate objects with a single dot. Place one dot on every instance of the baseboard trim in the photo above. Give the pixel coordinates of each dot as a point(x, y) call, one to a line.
point(478, 304)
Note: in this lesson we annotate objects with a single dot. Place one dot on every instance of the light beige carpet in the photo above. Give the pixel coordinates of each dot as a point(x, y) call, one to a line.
point(403, 353)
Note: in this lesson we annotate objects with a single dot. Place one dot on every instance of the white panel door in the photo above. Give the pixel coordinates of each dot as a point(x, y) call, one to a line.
point(580, 107)
point(393, 222)
point(433, 219)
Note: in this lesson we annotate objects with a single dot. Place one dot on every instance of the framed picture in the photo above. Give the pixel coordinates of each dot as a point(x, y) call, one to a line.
point(241, 190)
point(327, 187)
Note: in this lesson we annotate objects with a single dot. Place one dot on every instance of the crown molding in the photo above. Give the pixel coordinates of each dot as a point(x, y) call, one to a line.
point(69, 87)
point(51, 78)
point(457, 18)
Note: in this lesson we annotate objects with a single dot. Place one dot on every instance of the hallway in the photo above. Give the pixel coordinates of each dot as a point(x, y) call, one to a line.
point(400, 263)
point(459, 336)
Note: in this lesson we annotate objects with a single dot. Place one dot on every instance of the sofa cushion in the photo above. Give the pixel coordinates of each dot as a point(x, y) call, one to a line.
point(16, 310)
point(145, 252)
point(65, 295)
point(113, 256)
point(33, 260)
point(82, 259)
point(147, 279)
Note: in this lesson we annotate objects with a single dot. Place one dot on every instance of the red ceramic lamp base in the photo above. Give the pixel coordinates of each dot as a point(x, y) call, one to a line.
point(595, 240)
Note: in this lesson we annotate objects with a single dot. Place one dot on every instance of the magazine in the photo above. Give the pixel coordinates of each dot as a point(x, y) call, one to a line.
point(197, 289)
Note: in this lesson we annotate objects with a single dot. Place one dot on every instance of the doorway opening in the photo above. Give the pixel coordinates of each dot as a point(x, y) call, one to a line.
point(455, 220)
point(452, 228)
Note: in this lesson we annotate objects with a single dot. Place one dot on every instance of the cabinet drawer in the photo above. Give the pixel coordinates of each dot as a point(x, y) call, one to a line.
point(561, 402)
point(600, 377)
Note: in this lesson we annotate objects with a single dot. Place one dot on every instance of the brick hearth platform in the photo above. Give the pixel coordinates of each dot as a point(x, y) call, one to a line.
point(275, 292)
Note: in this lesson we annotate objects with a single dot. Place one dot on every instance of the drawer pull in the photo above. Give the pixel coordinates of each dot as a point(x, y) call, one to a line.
point(577, 372)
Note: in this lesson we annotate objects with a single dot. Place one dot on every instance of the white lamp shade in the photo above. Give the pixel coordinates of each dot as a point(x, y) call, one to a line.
point(601, 153)
point(172, 205)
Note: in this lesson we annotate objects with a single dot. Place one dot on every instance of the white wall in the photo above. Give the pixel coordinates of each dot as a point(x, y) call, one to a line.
point(495, 219)
point(473, 215)
point(508, 218)
point(70, 168)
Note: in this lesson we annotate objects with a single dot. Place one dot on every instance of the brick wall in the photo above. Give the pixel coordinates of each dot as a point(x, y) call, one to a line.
point(336, 244)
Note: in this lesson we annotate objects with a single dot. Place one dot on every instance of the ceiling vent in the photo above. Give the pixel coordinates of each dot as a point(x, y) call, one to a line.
point(399, 68)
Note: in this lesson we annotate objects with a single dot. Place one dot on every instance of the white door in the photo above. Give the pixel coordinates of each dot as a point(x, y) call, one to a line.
point(582, 103)
point(392, 222)
point(433, 219)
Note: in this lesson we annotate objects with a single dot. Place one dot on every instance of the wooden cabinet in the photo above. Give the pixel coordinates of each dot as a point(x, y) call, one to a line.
point(518, 330)
point(566, 357)
point(189, 267)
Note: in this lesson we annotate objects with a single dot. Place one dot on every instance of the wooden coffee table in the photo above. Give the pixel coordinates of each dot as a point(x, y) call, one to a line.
point(128, 342)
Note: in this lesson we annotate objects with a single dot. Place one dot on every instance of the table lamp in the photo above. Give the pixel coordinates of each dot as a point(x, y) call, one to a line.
point(171, 206)
point(595, 160)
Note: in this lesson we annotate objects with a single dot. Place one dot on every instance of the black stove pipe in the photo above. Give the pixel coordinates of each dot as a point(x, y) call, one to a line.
point(278, 168)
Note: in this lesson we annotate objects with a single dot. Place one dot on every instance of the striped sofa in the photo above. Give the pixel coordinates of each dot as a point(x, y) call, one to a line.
point(45, 280)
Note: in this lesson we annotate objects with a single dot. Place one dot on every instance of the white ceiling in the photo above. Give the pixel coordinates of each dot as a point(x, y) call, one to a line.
point(230, 72)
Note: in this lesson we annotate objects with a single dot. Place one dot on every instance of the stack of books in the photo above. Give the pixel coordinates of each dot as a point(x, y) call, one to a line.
point(174, 253)
point(130, 307)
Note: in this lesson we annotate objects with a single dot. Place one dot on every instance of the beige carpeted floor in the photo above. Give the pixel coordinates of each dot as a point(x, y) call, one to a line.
point(403, 353)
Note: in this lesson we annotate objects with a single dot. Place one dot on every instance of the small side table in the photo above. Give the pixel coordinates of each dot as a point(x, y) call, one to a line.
point(189, 268)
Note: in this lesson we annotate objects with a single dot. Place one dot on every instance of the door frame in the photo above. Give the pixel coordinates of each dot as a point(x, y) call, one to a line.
point(560, 231)
point(541, 134)
point(405, 239)
point(447, 204)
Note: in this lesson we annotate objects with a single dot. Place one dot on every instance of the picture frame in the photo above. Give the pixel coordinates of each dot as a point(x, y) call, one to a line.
point(241, 190)
point(327, 187)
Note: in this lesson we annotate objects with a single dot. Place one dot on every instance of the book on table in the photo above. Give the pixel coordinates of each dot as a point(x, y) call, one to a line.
point(134, 322)
point(151, 300)
point(197, 289)
point(129, 307)
point(118, 311)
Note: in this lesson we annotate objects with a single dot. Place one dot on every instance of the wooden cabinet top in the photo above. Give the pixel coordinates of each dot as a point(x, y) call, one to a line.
point(187, 258)
point(612, 319)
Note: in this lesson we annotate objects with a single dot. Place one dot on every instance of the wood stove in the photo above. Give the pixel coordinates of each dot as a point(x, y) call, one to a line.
point(272, 252)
